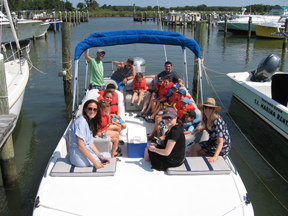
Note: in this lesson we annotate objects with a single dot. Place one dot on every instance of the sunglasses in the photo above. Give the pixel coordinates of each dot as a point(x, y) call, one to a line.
point(174, 89)
point(101, 53)
point(167, 118)
point(207, 107)
point(90, 109)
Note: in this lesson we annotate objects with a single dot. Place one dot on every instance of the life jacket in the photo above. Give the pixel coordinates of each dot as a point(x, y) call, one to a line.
point(103, 125)
point(180, 113)
point(164, 89)
point(139, 85)
point(172, 97)
point(178, 102)
point(114, 103)
point(158, 86)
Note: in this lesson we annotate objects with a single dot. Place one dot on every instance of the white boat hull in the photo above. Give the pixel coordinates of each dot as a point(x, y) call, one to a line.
point(42, 29)
point(25, 30)
point(257, 97)
point(16, 79)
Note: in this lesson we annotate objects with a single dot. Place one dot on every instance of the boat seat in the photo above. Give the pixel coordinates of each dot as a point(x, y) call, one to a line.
point(128, 92)
point(103, 144)
point(63, 168)
point(201, 166)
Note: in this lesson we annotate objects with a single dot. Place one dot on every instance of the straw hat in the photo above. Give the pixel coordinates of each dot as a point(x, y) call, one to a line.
point(210, 102)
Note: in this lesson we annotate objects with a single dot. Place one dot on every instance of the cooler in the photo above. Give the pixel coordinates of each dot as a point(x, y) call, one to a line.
point(136, 141)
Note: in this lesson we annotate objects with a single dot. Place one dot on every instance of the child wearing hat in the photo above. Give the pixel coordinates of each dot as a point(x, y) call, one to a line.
point(171, 152)
point(139, 88)
point(191, 120)
point(185, 106)
point(219, 142)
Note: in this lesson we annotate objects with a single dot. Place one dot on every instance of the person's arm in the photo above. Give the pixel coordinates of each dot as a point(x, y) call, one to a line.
point(95, 150)
point(180, 82)
point(197, 119)
point(150, 76)
point(86, 153)
point(87, 57)
point(133, 73)
point(118, 64)
point(218, 150)
point(165, 152)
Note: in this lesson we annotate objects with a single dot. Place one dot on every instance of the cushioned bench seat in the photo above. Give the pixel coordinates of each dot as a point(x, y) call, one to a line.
point(63, 168)
point(201, 166)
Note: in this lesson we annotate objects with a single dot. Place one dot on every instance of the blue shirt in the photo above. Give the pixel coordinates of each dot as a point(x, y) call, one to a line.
point(191, 125)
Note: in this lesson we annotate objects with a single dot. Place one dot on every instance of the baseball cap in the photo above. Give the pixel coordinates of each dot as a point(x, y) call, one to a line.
point(175, 86)
point(190, 113)
point(171, 112)
point(182, 91)
point(101, 50)
point(186, 100)
point(160, 79)
point(130, 60)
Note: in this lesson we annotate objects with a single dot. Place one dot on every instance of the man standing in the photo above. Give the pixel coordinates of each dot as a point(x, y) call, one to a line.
point(126, 71)
point(96, 70)
point(174, 77)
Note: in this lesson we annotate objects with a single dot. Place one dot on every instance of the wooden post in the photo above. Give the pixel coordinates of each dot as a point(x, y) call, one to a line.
point(225, 26)
point(285, 38)
point(145, 16)
point(141, 17)
point(60, 15)
point(79, 16)
point(249, 28)
point(83, 16)
point(199, 35)
point(66, 57)
point(65, 16)
point(8, 167)
point(73, 17)
point(209, 22)
point(87, 16)
point(134, 12)
point(69, 16)
point(154, 16)
point(54, 19)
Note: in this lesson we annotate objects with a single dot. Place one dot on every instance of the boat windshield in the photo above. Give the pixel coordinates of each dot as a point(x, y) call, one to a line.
point(279, 11)
point(283, 19)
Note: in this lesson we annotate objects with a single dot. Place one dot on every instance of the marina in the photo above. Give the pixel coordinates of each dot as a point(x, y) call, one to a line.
point(45, 115)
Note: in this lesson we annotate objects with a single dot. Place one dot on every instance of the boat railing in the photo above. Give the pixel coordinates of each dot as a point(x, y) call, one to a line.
point(11, 55)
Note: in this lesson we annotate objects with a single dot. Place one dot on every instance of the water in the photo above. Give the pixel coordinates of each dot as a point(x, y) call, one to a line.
point(44, 115)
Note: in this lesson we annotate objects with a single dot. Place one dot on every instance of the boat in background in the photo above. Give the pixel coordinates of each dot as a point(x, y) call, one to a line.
point(59, 191)
point(42, 29)
point(26, 28)
point(264, 30)
point(239, 23)
point(16, 69)
point(257, 91)
point(52, 22)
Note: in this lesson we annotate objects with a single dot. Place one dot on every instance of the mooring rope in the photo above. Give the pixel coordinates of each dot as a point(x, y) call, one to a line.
point(210, 84)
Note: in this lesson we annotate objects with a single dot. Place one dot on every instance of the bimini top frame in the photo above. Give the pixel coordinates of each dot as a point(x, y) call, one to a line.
point(134, 36)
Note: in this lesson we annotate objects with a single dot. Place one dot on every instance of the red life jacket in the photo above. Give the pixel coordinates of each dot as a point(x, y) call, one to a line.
point(172, 97)
point(114, 103)
point(164, 89)
point(158, 86)
point(139, 85)
point(180, 113)
point(103, 125)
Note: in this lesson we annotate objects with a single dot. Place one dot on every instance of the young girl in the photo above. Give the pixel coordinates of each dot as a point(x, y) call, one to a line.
point(139, 87)
point(219, 142)
point(105, 122)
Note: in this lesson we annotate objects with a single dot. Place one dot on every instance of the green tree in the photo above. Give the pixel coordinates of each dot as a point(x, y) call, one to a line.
point(149, 8)
point(80, 5)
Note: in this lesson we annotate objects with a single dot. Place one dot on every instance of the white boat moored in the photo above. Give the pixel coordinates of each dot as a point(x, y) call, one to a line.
point(130, 186)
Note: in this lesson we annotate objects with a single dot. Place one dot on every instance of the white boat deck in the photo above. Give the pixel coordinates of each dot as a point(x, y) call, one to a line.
point(136, 189)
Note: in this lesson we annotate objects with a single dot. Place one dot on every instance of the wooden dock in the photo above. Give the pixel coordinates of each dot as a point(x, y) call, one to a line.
point(6, 127)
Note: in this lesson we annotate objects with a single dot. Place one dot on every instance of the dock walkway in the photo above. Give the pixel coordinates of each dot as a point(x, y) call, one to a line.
point(6, 127)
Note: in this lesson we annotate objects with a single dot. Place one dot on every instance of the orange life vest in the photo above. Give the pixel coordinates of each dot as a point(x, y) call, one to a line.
point(114, 103)
point(164, 89)
point(180, 113)
point(172, 97)
point(139, 85)
point(103, 125)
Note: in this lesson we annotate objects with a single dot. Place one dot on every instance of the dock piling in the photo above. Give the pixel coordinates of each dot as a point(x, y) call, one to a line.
point(285, 38)
point(8, 167)
point(249, 28)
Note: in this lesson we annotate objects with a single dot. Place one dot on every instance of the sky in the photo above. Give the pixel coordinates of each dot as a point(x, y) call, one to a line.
point(175, 3)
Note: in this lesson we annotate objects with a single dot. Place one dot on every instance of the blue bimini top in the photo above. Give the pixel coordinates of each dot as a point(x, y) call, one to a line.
point(136, 36)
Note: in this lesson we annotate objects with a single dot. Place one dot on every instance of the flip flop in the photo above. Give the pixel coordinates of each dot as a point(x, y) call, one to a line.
point(121, 142)
point(138, 115)
point(150, 120)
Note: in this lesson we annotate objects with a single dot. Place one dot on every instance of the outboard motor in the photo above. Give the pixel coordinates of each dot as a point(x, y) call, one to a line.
point(266, 68)
point(140, 65)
